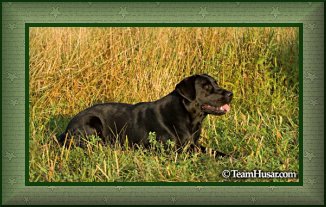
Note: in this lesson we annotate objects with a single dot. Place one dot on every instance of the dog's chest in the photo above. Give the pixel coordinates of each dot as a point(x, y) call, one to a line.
point(196, 117)
point(197, 123)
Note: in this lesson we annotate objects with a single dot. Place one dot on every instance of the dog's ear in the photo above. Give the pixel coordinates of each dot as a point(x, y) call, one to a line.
point(186, 88)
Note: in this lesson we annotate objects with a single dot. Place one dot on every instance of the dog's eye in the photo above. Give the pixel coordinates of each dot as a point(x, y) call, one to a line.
point(208, 86)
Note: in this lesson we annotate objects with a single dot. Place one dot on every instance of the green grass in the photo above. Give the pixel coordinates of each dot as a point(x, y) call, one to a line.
point(73, 68)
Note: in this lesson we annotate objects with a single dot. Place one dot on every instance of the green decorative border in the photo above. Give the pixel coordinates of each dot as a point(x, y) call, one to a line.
point(309, 16)
point(181, 1)
point(298, 25)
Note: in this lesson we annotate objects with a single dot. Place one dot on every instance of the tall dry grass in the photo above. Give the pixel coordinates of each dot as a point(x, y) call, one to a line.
point(73, 68)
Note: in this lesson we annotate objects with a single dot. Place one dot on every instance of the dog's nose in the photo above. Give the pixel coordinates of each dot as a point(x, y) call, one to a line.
point(229, 94)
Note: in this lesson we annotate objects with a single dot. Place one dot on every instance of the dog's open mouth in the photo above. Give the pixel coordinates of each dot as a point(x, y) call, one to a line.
point(220, 110)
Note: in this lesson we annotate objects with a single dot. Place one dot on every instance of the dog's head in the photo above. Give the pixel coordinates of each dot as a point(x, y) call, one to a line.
point(203, 89)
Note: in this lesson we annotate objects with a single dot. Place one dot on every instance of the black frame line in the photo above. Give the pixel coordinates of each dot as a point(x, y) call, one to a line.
point(170, 1)
point(1, 108)
point(300, 173)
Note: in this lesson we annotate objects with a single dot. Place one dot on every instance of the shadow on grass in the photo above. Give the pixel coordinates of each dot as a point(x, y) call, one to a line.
point(58, 124)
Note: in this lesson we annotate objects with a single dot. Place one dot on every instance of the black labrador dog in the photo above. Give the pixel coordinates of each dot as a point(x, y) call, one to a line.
point(177, 116)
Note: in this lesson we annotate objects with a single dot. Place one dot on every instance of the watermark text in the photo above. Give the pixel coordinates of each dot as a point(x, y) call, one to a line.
point(257, 174)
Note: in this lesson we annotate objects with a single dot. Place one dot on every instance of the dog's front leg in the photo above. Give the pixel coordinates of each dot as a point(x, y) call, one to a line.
point(203, 149)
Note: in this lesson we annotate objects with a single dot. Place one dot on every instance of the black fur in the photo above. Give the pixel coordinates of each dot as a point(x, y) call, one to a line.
point(177, 116)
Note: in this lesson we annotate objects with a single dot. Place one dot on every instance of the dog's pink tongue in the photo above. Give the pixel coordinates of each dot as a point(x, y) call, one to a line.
point(226, 107)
